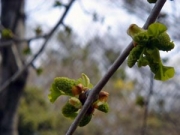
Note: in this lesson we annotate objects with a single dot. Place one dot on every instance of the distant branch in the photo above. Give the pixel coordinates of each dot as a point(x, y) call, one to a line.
point(16, 40)
point(152, 18)
point(19, 72)
point(146, 109)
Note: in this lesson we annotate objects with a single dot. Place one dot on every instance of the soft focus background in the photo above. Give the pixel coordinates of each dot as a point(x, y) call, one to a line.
point(93, 35)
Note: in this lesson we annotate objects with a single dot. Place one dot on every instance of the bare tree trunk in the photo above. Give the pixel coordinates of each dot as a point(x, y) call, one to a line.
point(12, 17)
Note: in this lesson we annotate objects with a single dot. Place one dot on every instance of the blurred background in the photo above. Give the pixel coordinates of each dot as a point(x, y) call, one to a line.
point(92, 36)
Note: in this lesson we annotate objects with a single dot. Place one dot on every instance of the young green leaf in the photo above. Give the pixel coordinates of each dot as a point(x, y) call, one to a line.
point(85, 81)
point(134, 55)
point(156, 29)
point(55, 93)
point(146, 52)
point(61, 86)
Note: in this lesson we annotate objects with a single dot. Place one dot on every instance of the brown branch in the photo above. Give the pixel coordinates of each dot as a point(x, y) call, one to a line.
point(19, 72)
point(152, 18)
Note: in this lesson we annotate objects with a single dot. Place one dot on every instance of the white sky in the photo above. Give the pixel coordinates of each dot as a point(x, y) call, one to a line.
point(42, 12)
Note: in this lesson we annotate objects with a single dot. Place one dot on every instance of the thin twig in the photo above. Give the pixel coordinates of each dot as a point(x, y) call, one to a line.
point(16, 40)
point(19, 72)
point(152, 18)
point(146, 109)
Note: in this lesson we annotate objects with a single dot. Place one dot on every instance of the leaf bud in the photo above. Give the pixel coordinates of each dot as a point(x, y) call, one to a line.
point(69, 110)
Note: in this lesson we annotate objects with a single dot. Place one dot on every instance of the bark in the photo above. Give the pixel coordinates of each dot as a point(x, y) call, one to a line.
point(12, 17)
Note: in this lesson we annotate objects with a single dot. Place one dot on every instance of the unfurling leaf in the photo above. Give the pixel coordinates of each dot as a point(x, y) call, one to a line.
point(78, 91)
point(146, 52)
point(134, 55)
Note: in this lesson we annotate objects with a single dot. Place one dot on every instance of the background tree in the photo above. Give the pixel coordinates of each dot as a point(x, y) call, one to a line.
point(12, 18)
point(70, 54)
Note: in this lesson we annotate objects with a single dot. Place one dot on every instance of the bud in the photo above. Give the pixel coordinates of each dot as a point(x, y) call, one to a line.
point(75, 102)
point(69, 110)
point(103, 96)
point(85, 120)
point(103, 107)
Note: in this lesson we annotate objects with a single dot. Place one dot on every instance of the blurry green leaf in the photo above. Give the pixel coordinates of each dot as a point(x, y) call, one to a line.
point(7, 33)
point(140, 101)
point(38, 30)
point(39, 71)
point(57, 4)
point(27, 51)
point(54, 95)
point(68, 30)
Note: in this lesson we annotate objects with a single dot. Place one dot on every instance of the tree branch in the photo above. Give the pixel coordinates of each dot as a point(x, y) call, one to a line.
point(152, 17)
point(16, 40)
point(146, 109)
point(19, 72)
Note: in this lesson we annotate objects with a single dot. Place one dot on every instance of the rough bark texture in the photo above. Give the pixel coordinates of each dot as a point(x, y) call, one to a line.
point(12, 17)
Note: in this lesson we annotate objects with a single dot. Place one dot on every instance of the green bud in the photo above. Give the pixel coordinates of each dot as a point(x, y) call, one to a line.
point(75, 102)
point(103, 107)
point(69, 110)
point(133, 30)
point(134, 55)
point(85, 120)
